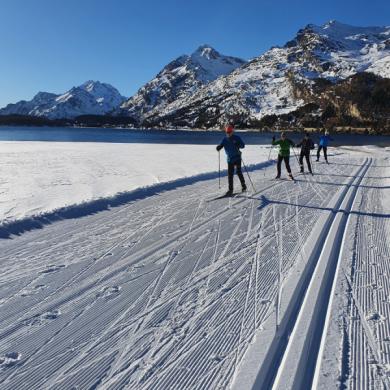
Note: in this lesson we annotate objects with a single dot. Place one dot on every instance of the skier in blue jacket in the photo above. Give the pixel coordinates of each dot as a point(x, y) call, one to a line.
point(232, 144)
point(323, 144)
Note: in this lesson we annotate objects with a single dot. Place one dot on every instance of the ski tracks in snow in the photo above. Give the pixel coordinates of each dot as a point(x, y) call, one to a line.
point(360, 340)
point(172, 291)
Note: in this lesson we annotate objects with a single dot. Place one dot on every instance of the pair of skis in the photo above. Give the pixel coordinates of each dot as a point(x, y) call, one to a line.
point(224, 196)
point(234, 195)
point(285, 178)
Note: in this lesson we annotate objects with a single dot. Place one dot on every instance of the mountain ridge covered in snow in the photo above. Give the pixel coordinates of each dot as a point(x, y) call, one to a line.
point(91, 97)
point(267, 85)
point(179, 79)
point(206, 89)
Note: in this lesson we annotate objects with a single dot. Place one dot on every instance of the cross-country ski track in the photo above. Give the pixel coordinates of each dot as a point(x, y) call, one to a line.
point(283, 288)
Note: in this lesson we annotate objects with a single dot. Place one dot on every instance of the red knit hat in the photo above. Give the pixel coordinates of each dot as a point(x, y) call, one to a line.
point(229, 128)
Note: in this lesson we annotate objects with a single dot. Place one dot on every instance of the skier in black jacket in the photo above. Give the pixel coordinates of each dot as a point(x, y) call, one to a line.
point(306, 145)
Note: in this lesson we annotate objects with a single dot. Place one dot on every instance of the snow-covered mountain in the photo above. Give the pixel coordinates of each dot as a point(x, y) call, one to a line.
point(267, 84)
point(179, 79)
point(206, 88)
point(92, 98)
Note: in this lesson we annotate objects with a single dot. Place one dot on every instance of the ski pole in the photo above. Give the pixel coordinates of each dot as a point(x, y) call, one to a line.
point(219, 169)
point(295, 155)
point(311, 164)
point(270, 150)
point(246, 170)
point(269, 155)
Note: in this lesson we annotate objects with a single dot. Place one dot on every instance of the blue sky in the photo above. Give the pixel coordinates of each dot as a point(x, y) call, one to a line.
point(52, 45)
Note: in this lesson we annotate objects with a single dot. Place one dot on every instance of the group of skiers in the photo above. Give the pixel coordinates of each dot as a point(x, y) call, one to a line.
point(232, 144)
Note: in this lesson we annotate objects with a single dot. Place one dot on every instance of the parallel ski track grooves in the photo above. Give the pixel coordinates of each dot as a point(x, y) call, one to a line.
point(267, 375)
point(312, 363)
point(364, 365)
point(212, 375)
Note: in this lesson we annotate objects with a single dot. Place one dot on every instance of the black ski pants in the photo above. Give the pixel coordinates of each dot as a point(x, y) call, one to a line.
point(237, 165)
point(325, 152)
point(306, 155)
point(286, 161)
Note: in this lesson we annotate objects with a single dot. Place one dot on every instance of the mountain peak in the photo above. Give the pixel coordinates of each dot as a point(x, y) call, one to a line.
point(203, 47)
point(337, 29)
point(179, 79)
point(90, 82)
point(205, 51)
point(90, 85)
point(331, 23)
point(335, 36)
point(328, 24)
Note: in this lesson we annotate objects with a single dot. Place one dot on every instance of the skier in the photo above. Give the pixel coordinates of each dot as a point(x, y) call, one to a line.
point(232, 144)
point(284, 154)
point(323, 144)
point(306, 145)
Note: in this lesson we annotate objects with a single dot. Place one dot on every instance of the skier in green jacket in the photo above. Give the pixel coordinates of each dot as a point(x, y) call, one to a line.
point(284, 154)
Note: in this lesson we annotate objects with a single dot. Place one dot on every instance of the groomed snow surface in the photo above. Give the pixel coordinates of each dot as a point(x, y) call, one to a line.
point(283, 287)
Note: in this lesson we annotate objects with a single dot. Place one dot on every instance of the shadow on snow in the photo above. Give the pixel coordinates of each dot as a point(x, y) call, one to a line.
point(7, 230)
point(264, 202)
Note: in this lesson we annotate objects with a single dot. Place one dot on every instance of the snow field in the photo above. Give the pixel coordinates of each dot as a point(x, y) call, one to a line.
point(39, 177)
point(177, 290)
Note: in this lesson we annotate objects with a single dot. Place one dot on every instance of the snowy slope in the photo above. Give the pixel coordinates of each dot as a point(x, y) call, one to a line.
point(92, 97)
point(266, 85)
point(178, 292)
point(180, 78)
point(41, 100)
point(341, 50)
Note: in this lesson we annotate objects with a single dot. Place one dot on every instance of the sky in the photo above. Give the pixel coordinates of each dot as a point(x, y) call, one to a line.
point(53, 45)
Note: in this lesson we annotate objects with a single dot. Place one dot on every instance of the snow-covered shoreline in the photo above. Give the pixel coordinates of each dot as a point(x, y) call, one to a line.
point(39, 177)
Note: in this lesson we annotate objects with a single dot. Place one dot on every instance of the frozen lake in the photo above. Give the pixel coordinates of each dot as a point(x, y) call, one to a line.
point(71, 134)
